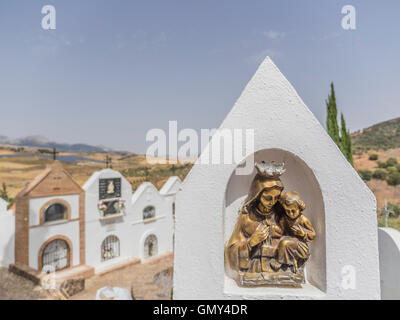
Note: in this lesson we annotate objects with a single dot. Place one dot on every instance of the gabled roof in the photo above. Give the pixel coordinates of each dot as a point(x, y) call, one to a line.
point(171, 186)
point(340, 205)
point(142, 188)
point(95, 176)
point(54, 180)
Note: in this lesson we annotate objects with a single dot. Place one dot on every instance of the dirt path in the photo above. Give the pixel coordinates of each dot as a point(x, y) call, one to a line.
point(139, 277)
point(13, 287)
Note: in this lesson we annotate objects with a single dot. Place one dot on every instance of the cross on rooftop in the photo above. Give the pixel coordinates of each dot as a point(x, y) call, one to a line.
point(108, 162)
point(54, 153)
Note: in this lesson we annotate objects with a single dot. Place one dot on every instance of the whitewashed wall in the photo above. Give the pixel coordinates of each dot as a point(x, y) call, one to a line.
point(35, 204)
point(3, 205)
point(161, 226)
point(271, 107)
point(97, 230)
point(130, 229)
point(171, 187)
point(7, 231)
point(40, 234)
point(389, 261)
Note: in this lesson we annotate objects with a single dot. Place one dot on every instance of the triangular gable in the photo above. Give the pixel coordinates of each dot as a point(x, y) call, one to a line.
point(102, 174)
point(141, 191)
point(54, 180)
point(345, 225)
point(171, 186)
point(93, 179)
point(272, 108)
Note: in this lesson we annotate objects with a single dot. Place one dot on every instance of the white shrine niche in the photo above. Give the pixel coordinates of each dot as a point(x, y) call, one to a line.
point(340, 206)
point(298, 177)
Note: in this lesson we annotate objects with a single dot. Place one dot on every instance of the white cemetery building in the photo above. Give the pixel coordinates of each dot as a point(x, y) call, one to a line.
point(344, 261)
point(3, 205)
point(60, 226)
point(7, 231)
point(127, 225)
point(170, 189)
point(103, 225)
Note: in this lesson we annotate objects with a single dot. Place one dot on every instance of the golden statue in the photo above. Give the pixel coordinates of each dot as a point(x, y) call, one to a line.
point(110, 187)
point(269, 244)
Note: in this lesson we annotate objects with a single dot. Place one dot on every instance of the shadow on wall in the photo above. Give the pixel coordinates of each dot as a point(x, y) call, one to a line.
point(298, 177)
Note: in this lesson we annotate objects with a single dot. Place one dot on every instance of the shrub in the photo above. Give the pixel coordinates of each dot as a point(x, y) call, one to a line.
point(394, 208)
point(398, 167)
point(373, 157)
point(382, 165)
point(391, 162)
point(392, 222)
point(11, 203)
point(4, 193)
point(380, 174)
point(393, 179)
point(366, 175)
point(391, 169)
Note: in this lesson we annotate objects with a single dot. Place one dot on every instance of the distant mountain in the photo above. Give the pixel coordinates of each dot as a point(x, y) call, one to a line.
point(43, 142)
point(384, 135)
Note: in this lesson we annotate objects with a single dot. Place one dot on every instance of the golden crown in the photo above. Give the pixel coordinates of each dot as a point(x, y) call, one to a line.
point(271, 169)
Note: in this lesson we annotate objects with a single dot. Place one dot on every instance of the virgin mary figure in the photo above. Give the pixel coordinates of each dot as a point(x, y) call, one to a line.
point(255, 238)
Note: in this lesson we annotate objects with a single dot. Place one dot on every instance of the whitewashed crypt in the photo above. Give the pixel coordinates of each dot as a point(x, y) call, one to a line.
point(91, 229)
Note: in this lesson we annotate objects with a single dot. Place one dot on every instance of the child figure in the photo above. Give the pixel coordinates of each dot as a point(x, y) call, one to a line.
point(293, 249)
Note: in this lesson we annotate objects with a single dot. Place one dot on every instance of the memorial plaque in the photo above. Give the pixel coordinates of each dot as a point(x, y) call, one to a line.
point(109, 188)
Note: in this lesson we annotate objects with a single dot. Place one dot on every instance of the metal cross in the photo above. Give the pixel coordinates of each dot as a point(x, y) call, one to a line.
point(108, 162)
point(386, 212)
point(54, 153)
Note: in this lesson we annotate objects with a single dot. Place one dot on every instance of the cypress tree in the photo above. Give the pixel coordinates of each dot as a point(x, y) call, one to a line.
point(331, 121)
point(340, 136)
point(346, 145)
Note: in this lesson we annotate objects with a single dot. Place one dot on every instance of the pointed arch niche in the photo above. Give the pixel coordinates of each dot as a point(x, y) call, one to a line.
point(298, 177)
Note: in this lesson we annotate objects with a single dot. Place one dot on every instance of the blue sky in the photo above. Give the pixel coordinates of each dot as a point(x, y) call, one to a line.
point(112, 70)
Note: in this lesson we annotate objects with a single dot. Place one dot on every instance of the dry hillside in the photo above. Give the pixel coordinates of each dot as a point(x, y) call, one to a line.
point(16, 171)
point(380, 188)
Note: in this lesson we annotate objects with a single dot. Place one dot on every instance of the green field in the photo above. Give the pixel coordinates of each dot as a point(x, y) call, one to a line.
point(392, 222)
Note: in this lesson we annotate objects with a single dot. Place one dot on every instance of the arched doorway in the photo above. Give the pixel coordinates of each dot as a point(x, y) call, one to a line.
point(56, 255)
point(150, 246)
